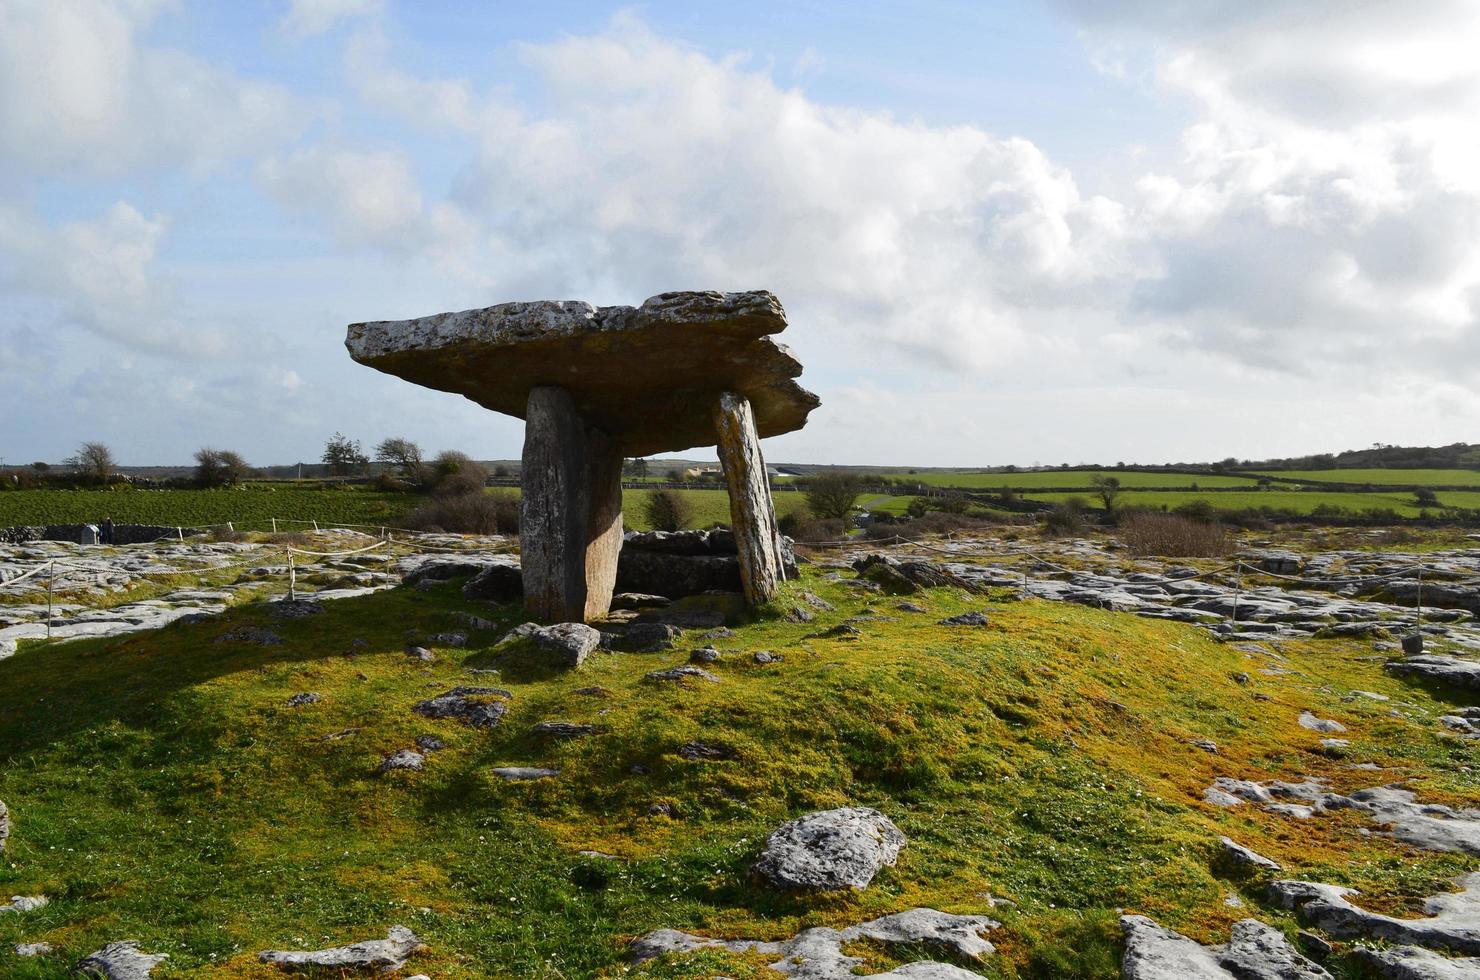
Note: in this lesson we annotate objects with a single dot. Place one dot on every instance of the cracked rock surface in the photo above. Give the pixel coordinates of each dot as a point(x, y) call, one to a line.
point(122, 960)
point(830, 850)
point(1453, 921)
point(1255, 951)
point(1414, 963)
point(381, 955)
point(817, 954)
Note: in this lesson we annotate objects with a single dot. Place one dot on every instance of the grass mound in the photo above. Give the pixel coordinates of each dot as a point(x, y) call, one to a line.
point(164, 790)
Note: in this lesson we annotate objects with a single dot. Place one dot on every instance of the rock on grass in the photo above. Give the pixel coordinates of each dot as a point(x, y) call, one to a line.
point(830, 850)
point(380, 955)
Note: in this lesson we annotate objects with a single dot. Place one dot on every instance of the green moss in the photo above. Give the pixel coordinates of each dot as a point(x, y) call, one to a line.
point(164, 791)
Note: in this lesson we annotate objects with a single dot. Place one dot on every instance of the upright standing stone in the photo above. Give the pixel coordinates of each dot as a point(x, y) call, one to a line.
point(752, 515)
point(570, 514)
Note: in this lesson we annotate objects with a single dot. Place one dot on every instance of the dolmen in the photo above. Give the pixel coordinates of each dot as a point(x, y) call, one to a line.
point(595, 385)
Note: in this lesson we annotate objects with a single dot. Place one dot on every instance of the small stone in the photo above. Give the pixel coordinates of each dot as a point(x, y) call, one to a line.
point(966, 619)
point(421, 654)
point(681, 675)
point(122, 960)
point(305, 698)
point(563, 729)
point(1239, 677)
point(799, 615)
point(1335, 744)
point(704, 655)
point(404, 759)
point(1245, 857)
point(383, 955)
point(843, 631)
point(430, 743)
point(911, 607)
point(449, 639)
point(767, 657)
point(294, 608)
point(707, 751)
point(470, 705)
point(1413, 644)
point(524, 774)
point(723, 633)
point(32, 949)
point(660, 810)
point(4, 826)
point(24, 903)
point(648, 638)
point(1206, 744)
point(1308, 720)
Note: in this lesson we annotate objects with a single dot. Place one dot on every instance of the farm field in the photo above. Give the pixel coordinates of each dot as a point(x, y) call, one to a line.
point(1048, 479)
point(255, 504)
point(1388, 477)
point(710, 507)
point(1301, 501)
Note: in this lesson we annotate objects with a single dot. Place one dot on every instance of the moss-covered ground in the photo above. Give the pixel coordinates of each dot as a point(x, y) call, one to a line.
point(163, 791)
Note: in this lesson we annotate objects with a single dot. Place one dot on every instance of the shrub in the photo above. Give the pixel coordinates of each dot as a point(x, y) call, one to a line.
point(454, 474)
point(938, 522)
point(1174, 536)
point(1065, 519)
point(468, 513)
point(821, 531)
point(1198, 510)
point(667, 510)
point(219, 468)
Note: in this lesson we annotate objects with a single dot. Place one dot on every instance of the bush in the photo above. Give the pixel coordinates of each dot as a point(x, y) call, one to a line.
point(824, 531)
point(667, 510)
point(454, 474)
point(1065, 519)
point(1174, 536)
point(468, 513)
point(938, 522)
point(1198, 510)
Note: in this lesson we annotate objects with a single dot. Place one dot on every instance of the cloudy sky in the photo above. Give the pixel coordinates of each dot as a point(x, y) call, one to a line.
point(1004, 232)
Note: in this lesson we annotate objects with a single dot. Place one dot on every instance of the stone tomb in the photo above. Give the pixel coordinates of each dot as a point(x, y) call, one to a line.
point(598, 384)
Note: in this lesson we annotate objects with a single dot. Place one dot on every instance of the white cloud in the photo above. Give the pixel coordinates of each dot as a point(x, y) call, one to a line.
point(307, 18)
point(81, 94)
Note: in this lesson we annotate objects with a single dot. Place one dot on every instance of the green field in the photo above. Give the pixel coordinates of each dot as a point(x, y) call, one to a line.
point(1299, 501)
point(255, 504)
point(163, 791)
point(1418, 478)
point(710, 507)
point(1048, 479)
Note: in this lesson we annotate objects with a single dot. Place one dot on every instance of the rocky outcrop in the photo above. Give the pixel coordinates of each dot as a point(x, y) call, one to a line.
point(499, 582)
point(566, 644)
point(379, 955)
point(1413, 963)
point(830, 850)
point(908, 575)
point(1255, 951)
point(1453, 921)
point(817, 954)
point(1440, 668)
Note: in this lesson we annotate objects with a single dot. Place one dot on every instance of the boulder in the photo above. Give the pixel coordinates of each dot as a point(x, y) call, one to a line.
point(830, 850)
point(378, 955)
point(1244, 857)
point(907, 576)
point(122, 960)
point(648, 638)
point(403, 759)
point(498, 583)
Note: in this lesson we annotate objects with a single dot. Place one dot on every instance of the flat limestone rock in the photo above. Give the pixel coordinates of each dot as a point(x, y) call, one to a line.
point(1453, 921)
point(830, 850)
point(1413, 963)
point(122, 960)
point(1254, 951)
point(380, 955)
point(1437, 667)
point(649, 377)
point(4, 826)
point(817, 954)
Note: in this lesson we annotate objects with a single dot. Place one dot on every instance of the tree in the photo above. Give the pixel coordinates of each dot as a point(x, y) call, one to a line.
point(343, 455)
point(667, 510)
point(404, 455)
point(1107, 488)
point(831, 496)
point(219, 468)
point(637, 467)
point(93, 460)
point(1424, 497)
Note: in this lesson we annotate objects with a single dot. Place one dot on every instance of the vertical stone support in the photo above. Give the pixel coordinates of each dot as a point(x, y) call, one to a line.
point(752, 514)
point(570, 511)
